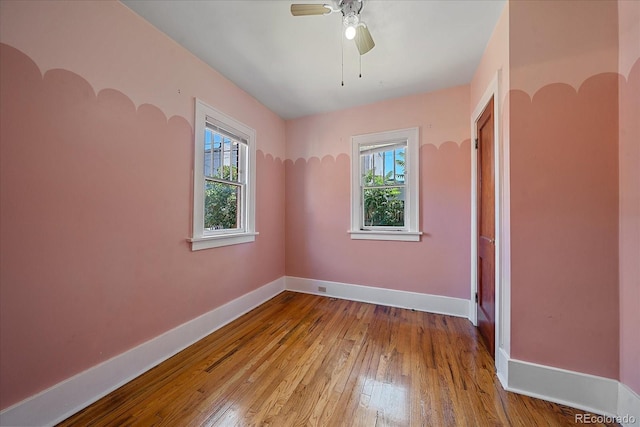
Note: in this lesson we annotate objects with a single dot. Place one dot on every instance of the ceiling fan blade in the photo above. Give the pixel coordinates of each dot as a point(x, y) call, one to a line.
point(309, 9)
point(363, 39)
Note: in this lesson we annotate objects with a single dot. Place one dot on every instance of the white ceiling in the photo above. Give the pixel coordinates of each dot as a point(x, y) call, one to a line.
point(293, 64)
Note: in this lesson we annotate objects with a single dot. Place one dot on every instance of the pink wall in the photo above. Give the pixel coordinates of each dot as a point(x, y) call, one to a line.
point(566, 41)
point(564, 184)
point(95, 187)
point(629, 163)
point(318, 197)
point(112, 47)
point(562, 74)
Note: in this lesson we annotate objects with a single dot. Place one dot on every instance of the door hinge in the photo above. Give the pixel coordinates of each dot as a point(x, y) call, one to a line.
point(476, 297)
point(476, 143)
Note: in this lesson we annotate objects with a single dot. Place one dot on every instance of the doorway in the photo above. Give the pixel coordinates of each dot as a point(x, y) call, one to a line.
point(496, 242)
point(486, 191)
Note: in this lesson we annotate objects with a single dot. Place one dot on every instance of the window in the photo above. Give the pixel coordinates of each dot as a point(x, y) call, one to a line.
point(384, 186)
point(223, 180)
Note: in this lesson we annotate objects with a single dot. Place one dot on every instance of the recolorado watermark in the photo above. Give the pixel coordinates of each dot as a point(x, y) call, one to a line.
point(604, 419)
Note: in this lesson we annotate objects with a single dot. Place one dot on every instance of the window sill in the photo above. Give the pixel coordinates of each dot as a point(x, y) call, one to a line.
point(402, 236)
point(206, 242)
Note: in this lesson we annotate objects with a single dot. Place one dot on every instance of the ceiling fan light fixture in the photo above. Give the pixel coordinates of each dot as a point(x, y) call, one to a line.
point(350, 23)
point(350, 32)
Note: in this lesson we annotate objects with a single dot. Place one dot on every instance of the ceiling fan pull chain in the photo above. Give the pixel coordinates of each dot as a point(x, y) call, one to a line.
point(342, 53)
point(360, 57)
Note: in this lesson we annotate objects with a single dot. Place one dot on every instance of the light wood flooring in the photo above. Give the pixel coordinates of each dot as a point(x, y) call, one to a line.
point(304, 360)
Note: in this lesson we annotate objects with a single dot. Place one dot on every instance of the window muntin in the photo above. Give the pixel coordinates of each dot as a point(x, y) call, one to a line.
point(384, 186)
point(224, 180)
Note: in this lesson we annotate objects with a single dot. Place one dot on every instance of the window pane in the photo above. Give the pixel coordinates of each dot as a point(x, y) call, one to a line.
point(226, 161)
point(235, 160)
point(222, 156)
point(221, 206)
point(217, 147)
point(383, 207)
point(208, 139)
point(380, 167)
point(399, 163)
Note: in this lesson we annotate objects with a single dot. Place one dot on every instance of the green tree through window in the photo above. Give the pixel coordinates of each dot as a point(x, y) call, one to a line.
point(221, 201)
point(382, 206)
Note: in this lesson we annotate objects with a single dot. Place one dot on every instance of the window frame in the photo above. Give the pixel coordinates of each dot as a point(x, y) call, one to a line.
point(410, 232)
point(201, 237)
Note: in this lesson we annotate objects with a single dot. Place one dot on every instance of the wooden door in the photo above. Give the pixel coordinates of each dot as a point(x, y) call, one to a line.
point(486, 227)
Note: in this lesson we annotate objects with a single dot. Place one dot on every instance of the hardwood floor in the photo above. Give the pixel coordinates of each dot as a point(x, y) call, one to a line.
point(302, 360)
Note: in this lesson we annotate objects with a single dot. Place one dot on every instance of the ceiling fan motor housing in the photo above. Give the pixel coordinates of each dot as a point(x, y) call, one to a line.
point(350, 7)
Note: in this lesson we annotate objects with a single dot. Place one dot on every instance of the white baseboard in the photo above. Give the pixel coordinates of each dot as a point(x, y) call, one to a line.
point(628, 406)
point(422, 302)
point(582, 391)
point(68, 397)
point(502, 367)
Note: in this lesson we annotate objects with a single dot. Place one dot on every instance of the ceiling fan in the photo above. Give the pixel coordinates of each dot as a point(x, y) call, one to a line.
point(355, 29)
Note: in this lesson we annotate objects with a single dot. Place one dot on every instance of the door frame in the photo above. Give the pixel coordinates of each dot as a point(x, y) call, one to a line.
point(502, 228)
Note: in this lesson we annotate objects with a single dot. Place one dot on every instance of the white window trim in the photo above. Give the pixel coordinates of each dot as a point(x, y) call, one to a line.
point(411, 232)
point(202, 239)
